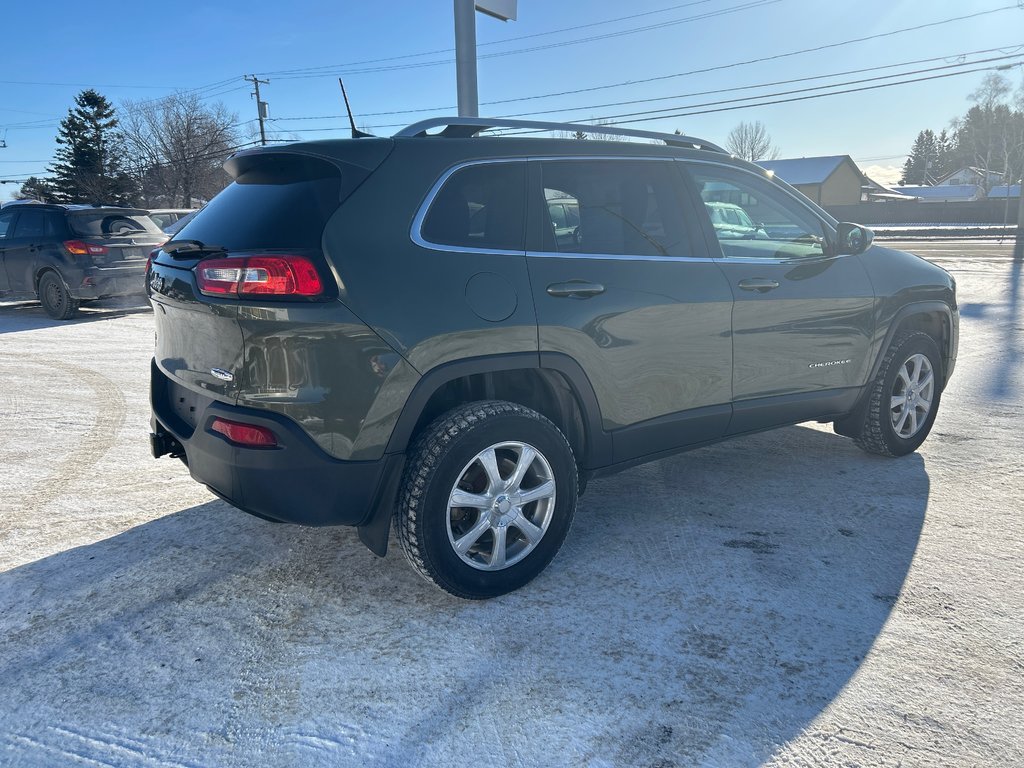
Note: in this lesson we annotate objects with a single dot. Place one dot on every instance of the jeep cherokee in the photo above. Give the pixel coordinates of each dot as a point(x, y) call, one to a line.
point(403, 331)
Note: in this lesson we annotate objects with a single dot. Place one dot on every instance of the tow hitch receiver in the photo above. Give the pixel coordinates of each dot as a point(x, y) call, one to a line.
point(162, 444)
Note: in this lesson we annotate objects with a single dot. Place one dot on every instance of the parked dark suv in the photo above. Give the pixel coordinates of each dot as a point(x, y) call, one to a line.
point(64, 254)
point(374, 330)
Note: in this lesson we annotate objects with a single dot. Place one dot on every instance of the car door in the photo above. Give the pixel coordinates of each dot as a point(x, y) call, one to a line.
point(20, 249)
point(6, 230)
point(633, 298)
point(803, 316)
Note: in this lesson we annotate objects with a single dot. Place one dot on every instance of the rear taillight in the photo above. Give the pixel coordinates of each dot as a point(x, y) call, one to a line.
point(248, 435)
point(259, 275)
point(80, 248)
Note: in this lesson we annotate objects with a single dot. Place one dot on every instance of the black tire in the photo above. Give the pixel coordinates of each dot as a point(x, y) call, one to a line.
point(877, 433)
point(56, 299)
point(446, 454)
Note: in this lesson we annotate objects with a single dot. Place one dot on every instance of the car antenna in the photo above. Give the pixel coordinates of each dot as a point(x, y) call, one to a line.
point(356, 133)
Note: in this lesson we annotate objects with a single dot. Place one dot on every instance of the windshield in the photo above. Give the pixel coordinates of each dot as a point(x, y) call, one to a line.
point(111, 223)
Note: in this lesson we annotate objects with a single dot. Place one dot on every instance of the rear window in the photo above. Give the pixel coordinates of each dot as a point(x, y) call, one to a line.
point(278, 204)
point(112, 223)
point(480, 206)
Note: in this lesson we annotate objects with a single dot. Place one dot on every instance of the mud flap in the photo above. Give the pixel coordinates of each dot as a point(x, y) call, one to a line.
point(375, 530)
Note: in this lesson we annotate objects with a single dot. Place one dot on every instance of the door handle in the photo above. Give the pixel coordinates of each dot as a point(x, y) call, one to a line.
point(578, 289)
point(759, 284)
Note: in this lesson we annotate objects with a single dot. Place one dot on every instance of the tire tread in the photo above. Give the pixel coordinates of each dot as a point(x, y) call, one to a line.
point(427, 451)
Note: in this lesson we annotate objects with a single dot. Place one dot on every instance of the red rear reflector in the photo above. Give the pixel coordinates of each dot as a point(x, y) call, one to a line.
point(80, 248)
point(259, 275)
point(244, 434)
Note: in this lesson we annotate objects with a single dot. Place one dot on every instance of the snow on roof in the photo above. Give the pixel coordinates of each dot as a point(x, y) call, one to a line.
point(1014, 191)
point(804, 170)
point(948, 191)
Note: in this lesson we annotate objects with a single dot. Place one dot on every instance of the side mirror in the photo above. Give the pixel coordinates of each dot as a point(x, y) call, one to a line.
point(853, 239)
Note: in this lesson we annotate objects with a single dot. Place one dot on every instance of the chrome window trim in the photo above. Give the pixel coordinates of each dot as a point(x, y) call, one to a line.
point(620, 257)
point(416, 235)
point(416, 230)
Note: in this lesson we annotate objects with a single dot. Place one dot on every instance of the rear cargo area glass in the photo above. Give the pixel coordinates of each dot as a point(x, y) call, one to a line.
point(111, 223)
point(274, 206)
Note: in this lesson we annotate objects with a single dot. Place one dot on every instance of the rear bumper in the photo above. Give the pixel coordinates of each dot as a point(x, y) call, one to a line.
point(295, 482)
point(100, 282)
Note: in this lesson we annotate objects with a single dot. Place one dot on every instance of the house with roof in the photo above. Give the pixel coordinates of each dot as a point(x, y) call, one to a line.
point(831, 180)
point(873, 192)
point(1004, 191)
point(946, 193)
point(970, 175)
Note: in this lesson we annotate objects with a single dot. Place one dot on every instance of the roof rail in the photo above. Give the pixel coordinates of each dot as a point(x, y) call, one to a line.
point(467, 127)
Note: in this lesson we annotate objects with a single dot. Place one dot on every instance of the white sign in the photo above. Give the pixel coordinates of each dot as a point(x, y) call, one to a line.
point(499, 9)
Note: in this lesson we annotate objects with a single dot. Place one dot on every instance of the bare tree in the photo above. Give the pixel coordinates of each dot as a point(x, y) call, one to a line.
point(752, 142)
point(175, 147)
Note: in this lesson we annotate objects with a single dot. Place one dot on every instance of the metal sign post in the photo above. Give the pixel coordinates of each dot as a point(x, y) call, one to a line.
point(465, 46)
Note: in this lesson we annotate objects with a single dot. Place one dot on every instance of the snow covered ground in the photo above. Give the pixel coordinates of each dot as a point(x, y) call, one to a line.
point(783, 599)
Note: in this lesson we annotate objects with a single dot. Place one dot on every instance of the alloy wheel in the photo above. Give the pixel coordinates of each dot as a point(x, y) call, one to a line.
point(501, 506)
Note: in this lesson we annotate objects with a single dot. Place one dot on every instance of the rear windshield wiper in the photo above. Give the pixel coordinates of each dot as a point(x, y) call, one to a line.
point(190, 247)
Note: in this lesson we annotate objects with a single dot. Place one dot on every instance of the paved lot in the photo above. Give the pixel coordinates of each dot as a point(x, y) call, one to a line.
point(781, 599)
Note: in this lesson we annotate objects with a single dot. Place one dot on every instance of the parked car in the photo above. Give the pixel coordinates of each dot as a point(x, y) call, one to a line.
point(165, 217)
point(372, 331)
point(174, 227)
point(731, 221)
point(66, 254)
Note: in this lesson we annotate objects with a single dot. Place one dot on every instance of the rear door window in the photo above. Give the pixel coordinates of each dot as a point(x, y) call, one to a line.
point(615, 207)
point(6, 218)
point(480, 206)
point(31, 224)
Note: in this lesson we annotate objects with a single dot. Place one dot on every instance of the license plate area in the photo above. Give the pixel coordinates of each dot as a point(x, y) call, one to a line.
point(186, 404)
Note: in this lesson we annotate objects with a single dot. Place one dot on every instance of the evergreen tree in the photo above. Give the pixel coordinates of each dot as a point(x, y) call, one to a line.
point(945, 152)
point(922, 163)
point(36, 189)
point(88, 167)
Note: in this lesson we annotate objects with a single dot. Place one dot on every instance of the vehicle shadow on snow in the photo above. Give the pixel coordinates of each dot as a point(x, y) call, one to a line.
point(30, 316)
point(705, 608)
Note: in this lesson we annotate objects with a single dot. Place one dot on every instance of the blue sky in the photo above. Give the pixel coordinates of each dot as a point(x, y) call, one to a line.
point(52, 50)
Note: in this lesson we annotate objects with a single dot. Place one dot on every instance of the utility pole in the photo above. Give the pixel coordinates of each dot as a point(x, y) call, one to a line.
point(261, 106)
point(1018, 246)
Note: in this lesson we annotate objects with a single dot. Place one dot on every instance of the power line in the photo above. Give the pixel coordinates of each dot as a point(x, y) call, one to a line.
point(781, 93)
point(492, 42)
point(655, 114)
point(418, 65)
point(612, 121)
point(761, 60)
point(703, 70)
point(782, 82)
point(713, 91)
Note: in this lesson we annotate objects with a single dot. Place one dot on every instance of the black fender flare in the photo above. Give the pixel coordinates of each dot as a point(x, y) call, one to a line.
point(848, 425)
point(908, 310)
point(373, 532)
point(598, 442)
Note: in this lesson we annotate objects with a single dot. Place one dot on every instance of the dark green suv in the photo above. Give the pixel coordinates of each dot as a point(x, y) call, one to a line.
point(373, 330)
